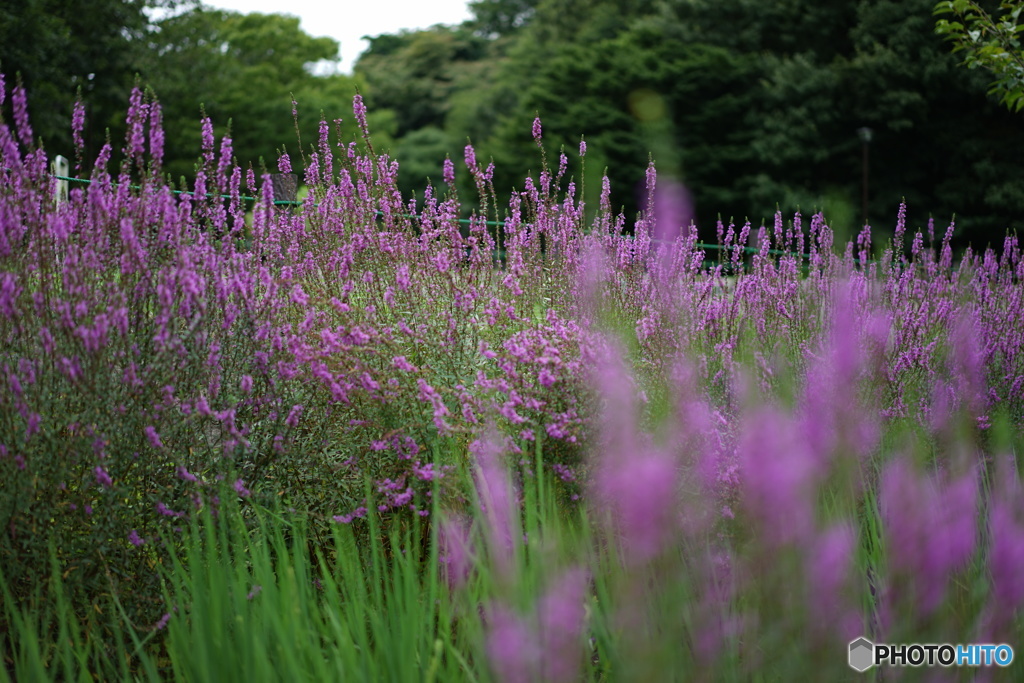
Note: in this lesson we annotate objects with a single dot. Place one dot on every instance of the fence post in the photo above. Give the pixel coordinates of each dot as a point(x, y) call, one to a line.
point(60, 167)
point(285, 186)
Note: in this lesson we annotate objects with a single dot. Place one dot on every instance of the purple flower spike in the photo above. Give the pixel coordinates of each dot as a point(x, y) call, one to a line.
point(449, 172)
point(513, 652)
point(1006, 552)
point(454, 551)
point(185, 475)
point(544, 646)
point(779, 473)
point(162, 622)
point(102, 478)
point(562, 617)
point(828, 563)
point(153, 437)
point(496, 498)
point(930, 531)
point(641, 492)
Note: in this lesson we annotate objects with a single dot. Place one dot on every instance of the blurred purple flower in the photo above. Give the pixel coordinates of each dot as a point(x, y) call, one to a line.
point(358, 513)
point(162, 622)
point(454, 552)
point(102, 478)
point(930, 531)
point(512, 649)
point(779, 475)
point(153, 437)
point(828, 563)
point(497, 500)
point(546, 645)
point(1006, 550)
point(185, 475)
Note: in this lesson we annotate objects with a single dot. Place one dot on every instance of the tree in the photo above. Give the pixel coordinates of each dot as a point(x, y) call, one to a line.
point(59, 47)
point(495, 18)
point(990, 41)
point(245, 68)
point(417, 73)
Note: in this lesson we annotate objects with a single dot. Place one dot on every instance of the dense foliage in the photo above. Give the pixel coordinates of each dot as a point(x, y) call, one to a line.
point(242, 69)
point(592, 452)
point(753, 105)
point(988, 40)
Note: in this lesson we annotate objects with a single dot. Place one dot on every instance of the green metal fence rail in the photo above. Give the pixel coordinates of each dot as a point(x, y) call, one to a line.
point(463, 221)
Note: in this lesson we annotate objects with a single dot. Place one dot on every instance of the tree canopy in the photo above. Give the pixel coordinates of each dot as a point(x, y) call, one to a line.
point(751, 105)
point(989, 40)
point(246, 69)
point(58, 50)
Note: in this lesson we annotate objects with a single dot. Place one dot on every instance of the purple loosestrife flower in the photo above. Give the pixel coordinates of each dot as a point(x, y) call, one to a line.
point(162, 622)
point(828, 562)
point(454, 551)
point(293, 416)
point(545, 645)
point(641, 493)
point(102, 478)
point(779, 474)
point(449, 172)
point(185, 475)
point(1006, 550)
point(430, 395)
point(401, 363)
point(153, 437)
point(19, 103)
point(497, 500)
point(9, 293)
point(241, 490)
point(358, 513)
point(359, 110)
point(537, 131)
point(166, 511)
point(562, 616)
point(930, 531)
point(134, 539)
point(673, 212)
point(156, 135)
point(138, 113)
point(512, 649)
point(635, 482)
point(1006, 557)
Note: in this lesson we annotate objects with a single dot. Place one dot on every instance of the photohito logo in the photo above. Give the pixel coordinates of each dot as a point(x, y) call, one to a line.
point(864, 654)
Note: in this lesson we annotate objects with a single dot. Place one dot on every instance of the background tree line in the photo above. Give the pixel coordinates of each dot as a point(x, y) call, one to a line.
point(751, 105)
point(238, 68)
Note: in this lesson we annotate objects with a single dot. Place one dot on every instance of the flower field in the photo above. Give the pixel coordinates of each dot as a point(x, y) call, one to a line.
point(367, 438)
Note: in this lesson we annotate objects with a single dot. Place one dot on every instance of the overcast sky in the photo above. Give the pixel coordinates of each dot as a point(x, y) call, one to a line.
point(347, 21)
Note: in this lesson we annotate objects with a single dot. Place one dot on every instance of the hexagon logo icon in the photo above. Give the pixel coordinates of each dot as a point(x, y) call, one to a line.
point(862, 654)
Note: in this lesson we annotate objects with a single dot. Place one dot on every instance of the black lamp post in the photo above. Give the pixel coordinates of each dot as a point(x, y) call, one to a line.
point(864, 134)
